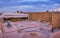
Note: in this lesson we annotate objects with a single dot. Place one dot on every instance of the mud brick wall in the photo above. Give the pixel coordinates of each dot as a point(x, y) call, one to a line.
point(56, 20)
point(45, 16)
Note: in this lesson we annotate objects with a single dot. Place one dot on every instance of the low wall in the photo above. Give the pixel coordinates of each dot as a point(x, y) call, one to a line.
point(40, 16)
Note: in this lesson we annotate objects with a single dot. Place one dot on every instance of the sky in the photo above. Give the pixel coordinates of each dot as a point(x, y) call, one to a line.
point(29, 5)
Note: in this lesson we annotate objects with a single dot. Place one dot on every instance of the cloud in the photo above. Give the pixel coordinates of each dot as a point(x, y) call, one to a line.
point(28, 5)
point(25, 8)
point(26, 0)
point(57, 9)
point(29, 0)
point(13, 1)
point(43, 5)
point(56, 4)
point(45, 0)
point(15, 8)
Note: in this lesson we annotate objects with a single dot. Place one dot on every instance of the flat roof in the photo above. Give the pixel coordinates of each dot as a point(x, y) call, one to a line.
point(14, 15)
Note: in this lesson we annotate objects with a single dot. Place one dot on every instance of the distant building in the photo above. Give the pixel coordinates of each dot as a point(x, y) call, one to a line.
point(17, 11)
point(21, 11)
point(47, 11)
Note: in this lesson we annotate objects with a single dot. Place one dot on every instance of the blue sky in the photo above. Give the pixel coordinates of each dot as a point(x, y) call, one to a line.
point(29, 5)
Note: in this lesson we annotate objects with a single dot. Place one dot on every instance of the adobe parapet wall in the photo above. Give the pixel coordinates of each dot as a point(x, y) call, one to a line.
point(56, 20)
point(52, 17)
point(45, 16)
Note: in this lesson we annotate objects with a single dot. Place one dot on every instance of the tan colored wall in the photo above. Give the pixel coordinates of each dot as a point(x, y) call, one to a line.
point(40, 16)
point(56, 20)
